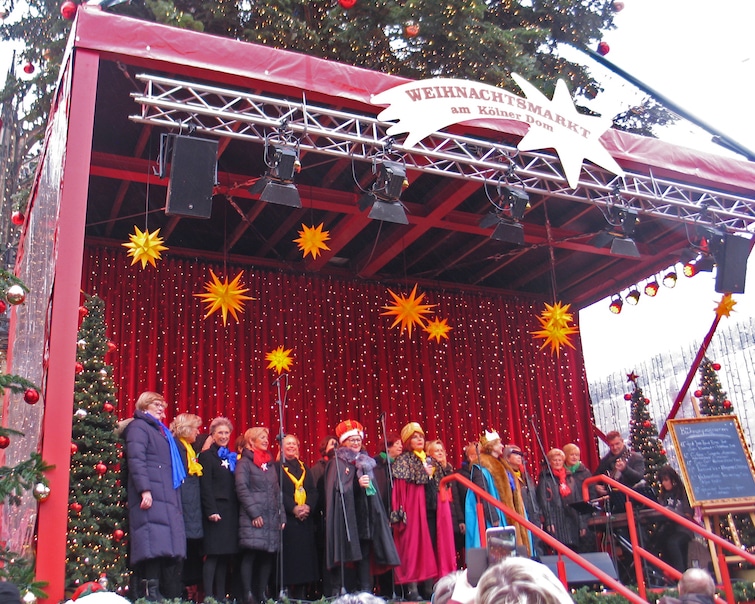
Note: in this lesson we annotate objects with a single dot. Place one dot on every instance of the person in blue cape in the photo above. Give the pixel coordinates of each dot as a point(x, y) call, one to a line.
point(490, 471)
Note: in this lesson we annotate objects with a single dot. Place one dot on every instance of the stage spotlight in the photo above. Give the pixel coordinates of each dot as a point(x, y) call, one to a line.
point(669, 279)
point(516, 200)
point(506, 229)
point(701, 264)
point(277, 186)
point(633, 297)
point(616, 304)
point(622, 222)
point(383, 197)
point(651, 288)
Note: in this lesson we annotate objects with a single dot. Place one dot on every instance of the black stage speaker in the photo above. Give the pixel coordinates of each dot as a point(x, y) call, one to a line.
point(576, 575)
point(192, 177)
point(732, 265)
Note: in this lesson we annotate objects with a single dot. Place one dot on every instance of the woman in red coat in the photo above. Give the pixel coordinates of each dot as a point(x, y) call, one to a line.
point(426, 548)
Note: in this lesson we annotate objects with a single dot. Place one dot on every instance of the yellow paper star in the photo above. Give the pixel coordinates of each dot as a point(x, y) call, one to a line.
point(556, 330)
point(145, 247)
point(280, 359)
point(438, 329)
point(725, 306)
point(408, 310)
point(228, 297)
point(312, 239)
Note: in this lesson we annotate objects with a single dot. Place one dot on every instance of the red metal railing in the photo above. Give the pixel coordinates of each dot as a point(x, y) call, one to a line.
point(560, 548)
point(639, 553)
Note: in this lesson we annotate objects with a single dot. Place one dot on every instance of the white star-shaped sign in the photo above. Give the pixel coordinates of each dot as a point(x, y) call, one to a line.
point(225, 464)
point(427, 106)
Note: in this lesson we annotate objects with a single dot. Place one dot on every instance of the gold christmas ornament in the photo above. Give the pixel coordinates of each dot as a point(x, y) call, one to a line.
point(41, 491)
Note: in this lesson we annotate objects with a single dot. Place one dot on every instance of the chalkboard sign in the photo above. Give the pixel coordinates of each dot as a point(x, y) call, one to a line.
point(716, 465)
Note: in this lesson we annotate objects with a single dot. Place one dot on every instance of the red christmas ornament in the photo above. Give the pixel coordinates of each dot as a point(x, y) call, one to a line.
point(663, 451)
point(646, 423)
point(83, 312)
point(111, 347)
point(618, 6)
point(716, 366)
point(118, 534)
point(647, 401)
point(411, 29)
point(4, 441)
point(627, 397)
point(31, 396)
point(108, 407)
point(79, 367)
point(74, 448)
point(698, 393)
point(3, 306)
point(29, 68)
point(727, 404)
point(17, 217)
point(68, 10)
point(100, 468)
point(347, 4)
point(76, 507)
point(603, 49)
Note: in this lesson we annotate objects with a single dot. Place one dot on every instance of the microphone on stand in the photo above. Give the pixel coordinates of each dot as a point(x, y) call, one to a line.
point(279, 378)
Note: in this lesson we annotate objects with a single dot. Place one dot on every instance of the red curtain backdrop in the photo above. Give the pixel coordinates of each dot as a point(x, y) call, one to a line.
point(348, 361)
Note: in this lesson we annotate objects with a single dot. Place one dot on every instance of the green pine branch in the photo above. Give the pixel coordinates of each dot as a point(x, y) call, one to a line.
point(19, 569)
point(14, 480)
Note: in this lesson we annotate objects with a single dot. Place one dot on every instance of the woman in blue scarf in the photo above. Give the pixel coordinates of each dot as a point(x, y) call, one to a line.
point(155, 472)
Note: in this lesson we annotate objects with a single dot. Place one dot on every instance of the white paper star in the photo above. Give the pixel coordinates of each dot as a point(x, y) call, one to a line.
point(225, 464)
point(575, 137)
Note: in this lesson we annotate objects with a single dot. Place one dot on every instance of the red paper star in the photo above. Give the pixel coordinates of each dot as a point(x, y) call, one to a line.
point(632, 377)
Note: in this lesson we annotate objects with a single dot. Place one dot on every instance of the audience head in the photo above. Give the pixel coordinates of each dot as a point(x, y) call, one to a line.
point(471, 451)
point(513, 454)
point(556, 458)
point(519, 580)
point(153, 404)
point(436, 450)
point(257, 438)
point(615, 442)
point(453, 588)
point(394, 446)
point(668, 478)
point(220, 431)
point(413, 437)
point(186, 426)
point(9, 593)
point(571, 454)
point(490, 443)
point(696, 581)
point(327, 445)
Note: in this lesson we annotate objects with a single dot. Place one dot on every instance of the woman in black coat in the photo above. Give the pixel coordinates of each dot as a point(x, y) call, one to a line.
point(220, 510)
point(156, 528)
point(300, 566)
point(672, 539)
point(185, 429)
point(556, 489)
point(261, 515)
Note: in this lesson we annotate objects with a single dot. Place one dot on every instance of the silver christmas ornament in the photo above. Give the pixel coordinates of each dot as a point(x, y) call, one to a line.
point(16, 295)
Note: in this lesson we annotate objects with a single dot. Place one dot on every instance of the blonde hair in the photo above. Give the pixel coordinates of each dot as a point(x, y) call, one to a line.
point(570, 448)
point(433, 443)
point(253, 434)
point(184, 423)
point(147, 398)
point(519, 580)
point(555, 451)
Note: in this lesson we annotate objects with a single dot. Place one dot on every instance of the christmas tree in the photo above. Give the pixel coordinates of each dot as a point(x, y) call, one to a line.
point(643, 433)
point(712, 398)
point(96, 510)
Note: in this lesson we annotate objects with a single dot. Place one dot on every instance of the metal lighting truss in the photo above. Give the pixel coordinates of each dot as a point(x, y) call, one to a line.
point(230, 113)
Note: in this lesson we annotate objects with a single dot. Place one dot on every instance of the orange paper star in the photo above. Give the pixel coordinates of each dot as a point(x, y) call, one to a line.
point(224, 296)
point(438, 329)
point(280, 359)
point(312, 239)
point(556, 330)
point(725, 306)
point(145, 247)
point(408, 310)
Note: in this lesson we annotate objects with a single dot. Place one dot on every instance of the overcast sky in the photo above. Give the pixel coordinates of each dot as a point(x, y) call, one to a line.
point(701, 57)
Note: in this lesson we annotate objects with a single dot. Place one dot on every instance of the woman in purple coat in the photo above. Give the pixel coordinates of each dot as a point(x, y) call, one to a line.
point(155, 472)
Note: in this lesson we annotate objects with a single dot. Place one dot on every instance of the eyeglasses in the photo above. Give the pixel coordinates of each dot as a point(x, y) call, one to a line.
point(353, 439)
point(516, 453)
point(160, 404)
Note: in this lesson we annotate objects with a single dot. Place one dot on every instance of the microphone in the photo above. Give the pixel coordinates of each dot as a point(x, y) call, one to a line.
point(279, 378)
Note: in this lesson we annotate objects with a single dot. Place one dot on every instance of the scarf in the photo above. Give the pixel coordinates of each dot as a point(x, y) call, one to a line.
point(179, 472)
point(195, 468)
point(261, 459)
point(573, 469)
point(300, 495)
point(229, 458)
point(563, 488)
point(421, 454)
point(364, 465)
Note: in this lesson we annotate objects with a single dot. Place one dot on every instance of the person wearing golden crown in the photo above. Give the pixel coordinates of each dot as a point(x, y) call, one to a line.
point(493, 473)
